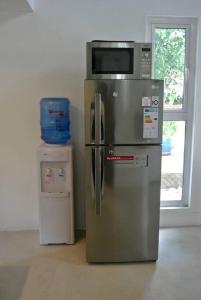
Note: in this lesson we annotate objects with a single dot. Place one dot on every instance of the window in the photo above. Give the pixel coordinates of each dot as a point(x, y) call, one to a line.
point(174, 47)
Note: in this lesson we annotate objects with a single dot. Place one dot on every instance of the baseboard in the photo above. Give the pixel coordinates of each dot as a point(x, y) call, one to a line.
point(168, 218)
point(18, 228)
point(175, 218)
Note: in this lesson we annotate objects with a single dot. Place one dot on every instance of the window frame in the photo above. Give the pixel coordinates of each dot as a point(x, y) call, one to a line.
point(186, 113)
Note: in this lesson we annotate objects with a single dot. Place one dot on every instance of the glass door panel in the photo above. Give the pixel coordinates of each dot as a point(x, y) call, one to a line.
point(172, 160)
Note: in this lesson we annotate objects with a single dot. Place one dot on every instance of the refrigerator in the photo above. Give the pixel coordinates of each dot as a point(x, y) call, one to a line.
point(123, 136)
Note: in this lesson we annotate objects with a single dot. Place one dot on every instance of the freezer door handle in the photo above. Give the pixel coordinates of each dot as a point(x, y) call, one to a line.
point(97, 120)
point(98, 112)
point(98, 180)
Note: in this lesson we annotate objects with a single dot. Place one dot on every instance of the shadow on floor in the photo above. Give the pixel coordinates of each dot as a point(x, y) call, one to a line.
point(12, 281)
point(79, 235)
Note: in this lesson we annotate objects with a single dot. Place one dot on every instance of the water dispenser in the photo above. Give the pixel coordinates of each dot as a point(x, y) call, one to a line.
point(56, 194)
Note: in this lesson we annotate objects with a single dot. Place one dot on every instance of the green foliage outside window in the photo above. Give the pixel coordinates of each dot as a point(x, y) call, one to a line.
point(169, 128)
point(169, 63)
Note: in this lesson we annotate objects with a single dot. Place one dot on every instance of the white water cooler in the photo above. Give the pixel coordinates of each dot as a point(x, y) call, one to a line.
point(56, 211)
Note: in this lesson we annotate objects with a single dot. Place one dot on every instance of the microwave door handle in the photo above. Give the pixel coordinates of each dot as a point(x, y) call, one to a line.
point(98, 180)
point(97, 109)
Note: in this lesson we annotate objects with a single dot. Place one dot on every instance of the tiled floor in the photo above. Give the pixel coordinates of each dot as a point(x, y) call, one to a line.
point(32, 272)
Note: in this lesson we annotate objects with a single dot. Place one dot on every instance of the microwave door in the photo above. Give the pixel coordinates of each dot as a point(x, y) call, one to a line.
point(110, 60)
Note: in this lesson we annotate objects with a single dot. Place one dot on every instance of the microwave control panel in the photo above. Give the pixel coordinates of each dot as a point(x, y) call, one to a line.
point(146, 62)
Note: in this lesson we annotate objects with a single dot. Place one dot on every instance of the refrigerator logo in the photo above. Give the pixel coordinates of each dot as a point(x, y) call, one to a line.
point(115, 94)
point(119, 157)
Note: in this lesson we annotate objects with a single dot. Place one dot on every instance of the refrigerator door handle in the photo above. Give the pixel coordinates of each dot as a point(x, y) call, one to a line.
point(93, 169)
point(98, 118)
point(98, 180)
point(102, 122)
point(92, 123)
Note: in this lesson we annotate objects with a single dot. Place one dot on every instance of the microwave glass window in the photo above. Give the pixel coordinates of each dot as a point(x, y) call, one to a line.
point(112, 60)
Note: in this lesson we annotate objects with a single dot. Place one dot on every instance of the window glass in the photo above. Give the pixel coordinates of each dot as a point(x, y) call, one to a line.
point(172, 160)
point(169, 64)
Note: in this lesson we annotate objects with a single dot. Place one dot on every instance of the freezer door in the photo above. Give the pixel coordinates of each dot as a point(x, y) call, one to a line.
point(122, 213)
point(123, 112)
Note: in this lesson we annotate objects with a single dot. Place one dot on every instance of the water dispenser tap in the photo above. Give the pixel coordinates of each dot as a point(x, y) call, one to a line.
point(61, 172)
point(48, 172)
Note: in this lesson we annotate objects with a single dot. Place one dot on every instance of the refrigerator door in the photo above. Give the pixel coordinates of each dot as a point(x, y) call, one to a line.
point(123, 112)
point(122, 212)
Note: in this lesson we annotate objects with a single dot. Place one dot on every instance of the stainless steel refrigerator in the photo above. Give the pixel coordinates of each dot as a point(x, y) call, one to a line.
point(123, 135)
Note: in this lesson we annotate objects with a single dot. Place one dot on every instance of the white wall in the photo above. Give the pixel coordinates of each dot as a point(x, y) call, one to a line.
point(43, 54)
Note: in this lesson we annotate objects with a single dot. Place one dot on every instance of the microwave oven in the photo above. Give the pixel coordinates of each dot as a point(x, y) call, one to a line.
point(119, 60)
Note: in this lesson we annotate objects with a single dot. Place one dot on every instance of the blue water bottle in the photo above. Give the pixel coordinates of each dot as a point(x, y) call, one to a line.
point(55, 120)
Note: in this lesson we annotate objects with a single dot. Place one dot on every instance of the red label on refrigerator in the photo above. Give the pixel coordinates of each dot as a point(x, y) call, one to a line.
point(120, 157)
